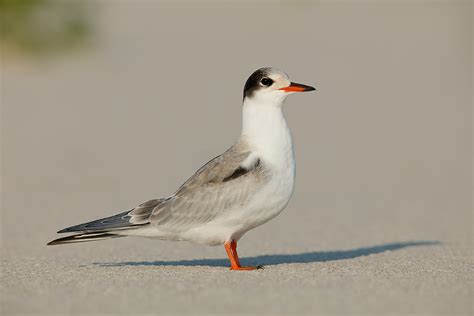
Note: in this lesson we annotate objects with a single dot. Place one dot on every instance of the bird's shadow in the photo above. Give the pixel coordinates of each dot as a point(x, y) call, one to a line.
point(268, 260)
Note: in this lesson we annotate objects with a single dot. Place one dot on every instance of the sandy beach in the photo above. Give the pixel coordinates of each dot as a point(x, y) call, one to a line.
point(381, 218)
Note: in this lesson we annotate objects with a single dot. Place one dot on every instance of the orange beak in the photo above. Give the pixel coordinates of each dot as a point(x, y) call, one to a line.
point(297, 87)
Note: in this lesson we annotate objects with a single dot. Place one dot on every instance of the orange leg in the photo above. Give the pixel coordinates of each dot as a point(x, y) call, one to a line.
point(231, 249)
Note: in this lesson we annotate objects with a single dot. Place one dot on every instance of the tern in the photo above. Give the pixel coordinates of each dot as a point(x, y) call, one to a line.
point(245, 187)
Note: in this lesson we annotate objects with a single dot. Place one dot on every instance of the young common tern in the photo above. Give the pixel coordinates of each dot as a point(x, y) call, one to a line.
point(243, 188)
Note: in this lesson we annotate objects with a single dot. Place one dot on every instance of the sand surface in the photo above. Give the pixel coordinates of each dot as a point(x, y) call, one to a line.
point(381, 219)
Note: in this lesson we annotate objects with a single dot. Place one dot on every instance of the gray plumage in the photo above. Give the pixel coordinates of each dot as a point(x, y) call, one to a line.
point(226, 182)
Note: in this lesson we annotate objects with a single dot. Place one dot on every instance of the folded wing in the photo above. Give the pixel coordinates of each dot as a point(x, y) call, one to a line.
point(225, 183)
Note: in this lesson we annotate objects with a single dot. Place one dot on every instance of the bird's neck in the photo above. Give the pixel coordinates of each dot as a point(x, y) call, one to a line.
point(264, 128)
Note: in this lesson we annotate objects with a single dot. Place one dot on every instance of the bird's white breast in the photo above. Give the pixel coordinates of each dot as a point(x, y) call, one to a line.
point(266, 131)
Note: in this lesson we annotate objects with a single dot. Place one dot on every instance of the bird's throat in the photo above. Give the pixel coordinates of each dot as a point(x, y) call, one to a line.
point(264, 127)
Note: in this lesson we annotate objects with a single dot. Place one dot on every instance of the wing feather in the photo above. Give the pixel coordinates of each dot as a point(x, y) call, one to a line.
point(226, 182)
point(134, 217)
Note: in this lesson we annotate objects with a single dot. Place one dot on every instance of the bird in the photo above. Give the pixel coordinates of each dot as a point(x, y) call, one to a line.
point(243, 188)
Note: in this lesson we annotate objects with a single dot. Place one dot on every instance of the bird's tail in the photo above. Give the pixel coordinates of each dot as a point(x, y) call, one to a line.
point(83, 237)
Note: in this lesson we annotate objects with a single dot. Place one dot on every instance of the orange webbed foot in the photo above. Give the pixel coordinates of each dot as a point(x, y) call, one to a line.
point(231, 249)
point(259, 267)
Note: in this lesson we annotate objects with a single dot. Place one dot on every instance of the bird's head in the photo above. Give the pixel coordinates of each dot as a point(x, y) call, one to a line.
point(271, 86)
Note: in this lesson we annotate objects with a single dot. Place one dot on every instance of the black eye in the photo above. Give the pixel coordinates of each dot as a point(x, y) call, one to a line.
point(266, 82)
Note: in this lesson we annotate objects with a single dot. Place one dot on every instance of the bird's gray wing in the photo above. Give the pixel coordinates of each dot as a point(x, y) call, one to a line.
point(137, 216)
point(221, 184)
point(226, 182)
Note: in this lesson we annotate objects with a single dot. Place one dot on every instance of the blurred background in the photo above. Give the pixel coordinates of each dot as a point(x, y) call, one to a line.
point(106, 104)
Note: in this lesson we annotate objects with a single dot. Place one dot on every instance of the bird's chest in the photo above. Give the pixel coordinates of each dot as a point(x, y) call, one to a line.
point(270, 140)
point(281, 183)
point(275, 195)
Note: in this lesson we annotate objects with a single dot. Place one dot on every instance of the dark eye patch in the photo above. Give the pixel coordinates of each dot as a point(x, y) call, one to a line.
point(253, 82)
point(266, 82)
